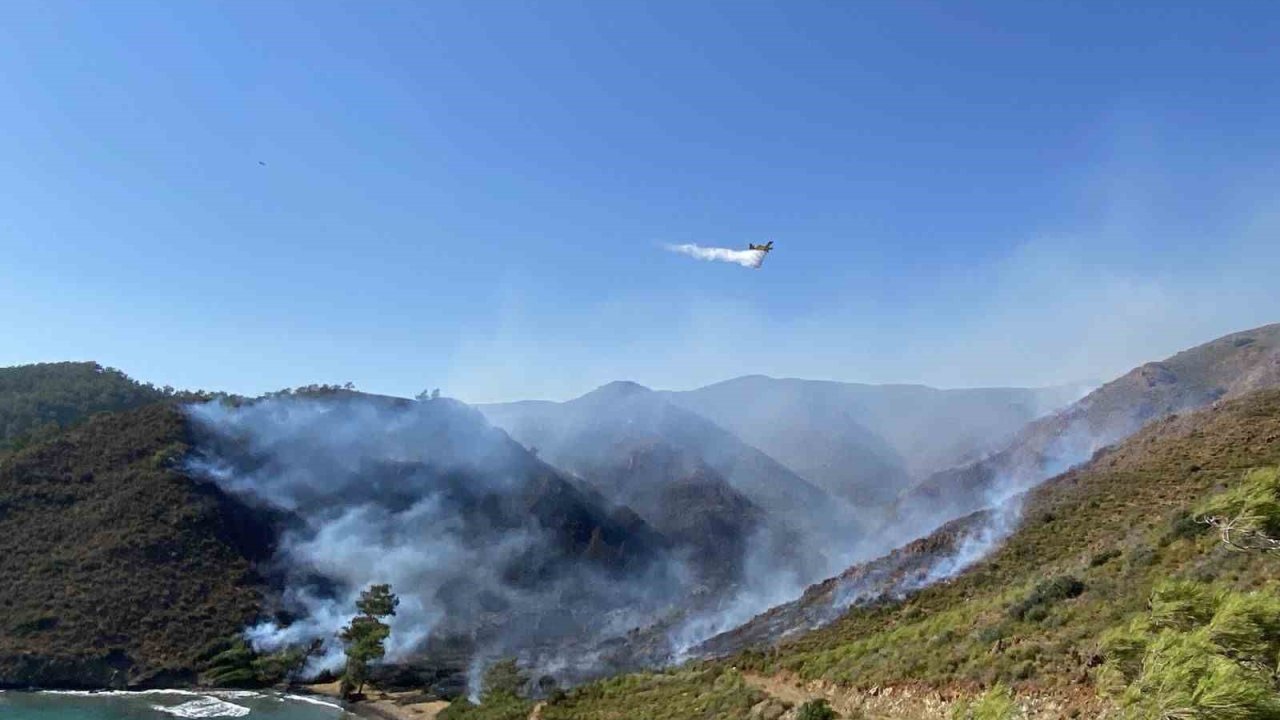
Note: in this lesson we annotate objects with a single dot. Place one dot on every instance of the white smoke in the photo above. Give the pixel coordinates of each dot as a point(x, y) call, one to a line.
point(431, 499)
point(745, 258)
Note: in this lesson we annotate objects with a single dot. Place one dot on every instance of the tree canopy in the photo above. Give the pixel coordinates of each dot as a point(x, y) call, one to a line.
point(365, 636)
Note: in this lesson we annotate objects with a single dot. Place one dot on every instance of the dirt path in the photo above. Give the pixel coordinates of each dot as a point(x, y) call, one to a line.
point(923, 703)
point(794, 692)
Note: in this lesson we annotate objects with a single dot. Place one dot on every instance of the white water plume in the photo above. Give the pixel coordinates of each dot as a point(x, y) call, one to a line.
point(745, 258)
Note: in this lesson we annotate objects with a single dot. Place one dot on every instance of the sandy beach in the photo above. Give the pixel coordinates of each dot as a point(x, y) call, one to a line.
point(386, 705)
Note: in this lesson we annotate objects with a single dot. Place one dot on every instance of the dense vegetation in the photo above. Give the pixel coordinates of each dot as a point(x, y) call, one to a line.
point(239, 665)
point(501, 696)
point(115, 567)
point(37, 401)
point(1202, 651)
point(711, 693)
point(1222, 369)
point(1136, 504)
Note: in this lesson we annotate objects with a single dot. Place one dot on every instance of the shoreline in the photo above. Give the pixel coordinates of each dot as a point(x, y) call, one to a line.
point(377, 705)
point(381, 705)
point(297, 694)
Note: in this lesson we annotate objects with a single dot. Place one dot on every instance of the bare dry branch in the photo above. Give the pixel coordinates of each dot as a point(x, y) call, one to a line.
point(1241, 538)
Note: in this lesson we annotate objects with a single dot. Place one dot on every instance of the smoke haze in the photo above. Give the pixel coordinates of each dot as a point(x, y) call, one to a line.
point(492, 552)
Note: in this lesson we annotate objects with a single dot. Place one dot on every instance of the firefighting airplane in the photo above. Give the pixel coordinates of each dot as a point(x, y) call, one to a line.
point(765, 247)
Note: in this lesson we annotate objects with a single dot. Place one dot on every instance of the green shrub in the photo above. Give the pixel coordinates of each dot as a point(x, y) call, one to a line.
point(995, 704)
point(1183, 526)
point(1035, 614)
point(701, 693)
point(1183, 604)
point(1247, 626)
point(1104, 557)
point(1201, 652)
point(1124, 647)
point(991, 634)
point(816, 710)
point(1183, 677)
point(501, 706)
point(1140, 557)
point(1045, 594)
point(503, 678)
point(232, 667)
point(1251, 508)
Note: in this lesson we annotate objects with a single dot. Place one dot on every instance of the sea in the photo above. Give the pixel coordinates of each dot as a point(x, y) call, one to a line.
point(165, 705)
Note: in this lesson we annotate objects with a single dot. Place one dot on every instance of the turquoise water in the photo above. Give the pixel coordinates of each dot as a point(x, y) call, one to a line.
point(163, 706)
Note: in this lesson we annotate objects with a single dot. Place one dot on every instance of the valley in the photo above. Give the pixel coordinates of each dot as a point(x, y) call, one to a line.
point(624, 548)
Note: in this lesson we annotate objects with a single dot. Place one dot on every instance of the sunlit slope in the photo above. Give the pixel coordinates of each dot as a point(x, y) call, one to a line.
point(38, 400)
point(1092, 544)
point(1223, 368)
point(115, 567)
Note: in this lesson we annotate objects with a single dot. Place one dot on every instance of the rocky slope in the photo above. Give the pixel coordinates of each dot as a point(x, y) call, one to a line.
point(1221, 369)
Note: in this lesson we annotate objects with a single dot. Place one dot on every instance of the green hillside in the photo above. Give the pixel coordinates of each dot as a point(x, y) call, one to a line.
point(115, 568)
point(36, 401)
point(1093, 545)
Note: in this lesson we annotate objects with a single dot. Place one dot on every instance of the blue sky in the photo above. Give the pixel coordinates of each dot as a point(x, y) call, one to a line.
point(476, 195)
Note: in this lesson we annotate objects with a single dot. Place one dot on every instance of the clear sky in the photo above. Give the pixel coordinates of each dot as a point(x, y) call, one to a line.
point(476, 195)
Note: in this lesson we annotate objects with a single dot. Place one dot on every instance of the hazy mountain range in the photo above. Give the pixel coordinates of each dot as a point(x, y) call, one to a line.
point(624, 526)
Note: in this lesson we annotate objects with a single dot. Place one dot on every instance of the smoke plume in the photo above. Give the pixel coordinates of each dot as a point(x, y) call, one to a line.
point(745, 258)
point(493, 553)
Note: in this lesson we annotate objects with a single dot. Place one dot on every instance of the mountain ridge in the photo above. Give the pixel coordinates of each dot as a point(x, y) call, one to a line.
point(1221, 368)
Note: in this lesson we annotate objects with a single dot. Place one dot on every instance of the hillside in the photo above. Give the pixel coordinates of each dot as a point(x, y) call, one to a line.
point(612, 437)
point(39, 400)
point(1083, 560)
point(867, 442)
point(136, 545)
point(689, 502)
point(481, 540)
point(1221, 369)
point(116, 568)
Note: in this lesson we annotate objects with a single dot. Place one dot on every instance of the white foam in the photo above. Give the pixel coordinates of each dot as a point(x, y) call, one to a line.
point(204, 707)
point(314, 701)
point(121, 693)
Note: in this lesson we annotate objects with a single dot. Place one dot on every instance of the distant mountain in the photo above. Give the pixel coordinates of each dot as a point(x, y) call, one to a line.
point(629, 442)
point(687, 501)
point(1221, 369)
point(868, 442)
